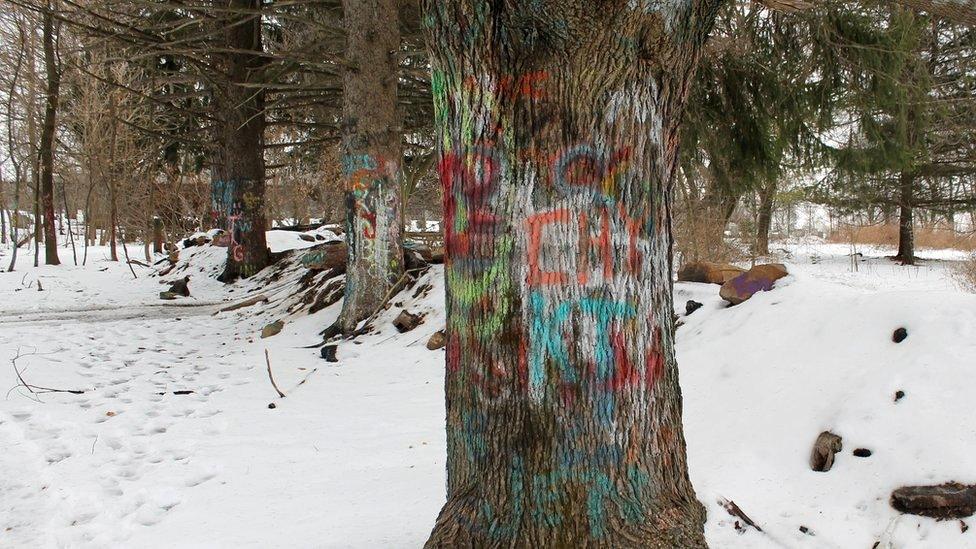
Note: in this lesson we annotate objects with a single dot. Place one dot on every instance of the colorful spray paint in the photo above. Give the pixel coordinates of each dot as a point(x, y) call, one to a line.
point(562, 395)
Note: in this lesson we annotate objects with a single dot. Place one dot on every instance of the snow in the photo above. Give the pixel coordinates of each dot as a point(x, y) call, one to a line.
point(353, 456)
point(280, 241)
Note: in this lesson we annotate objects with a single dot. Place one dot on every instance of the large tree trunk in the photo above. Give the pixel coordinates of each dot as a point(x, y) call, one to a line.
point(906, 221)
point(713, 215)
point(3, 214)
point(764, 220)
point(558, 131)
point(47, 140)
point(158, 235)
point(237, 176)
point(371, 158)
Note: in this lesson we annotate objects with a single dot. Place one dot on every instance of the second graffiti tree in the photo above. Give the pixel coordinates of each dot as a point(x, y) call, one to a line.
point(371, 158)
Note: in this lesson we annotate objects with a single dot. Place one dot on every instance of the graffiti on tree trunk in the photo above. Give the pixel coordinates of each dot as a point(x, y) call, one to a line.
point(233, 208)
point(369, 209)
point(567, 277)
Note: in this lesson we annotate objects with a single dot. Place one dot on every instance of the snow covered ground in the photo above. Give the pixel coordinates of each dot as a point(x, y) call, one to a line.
point(172, 443)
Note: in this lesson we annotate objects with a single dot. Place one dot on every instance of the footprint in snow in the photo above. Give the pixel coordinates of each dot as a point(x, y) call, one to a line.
point(199, 479)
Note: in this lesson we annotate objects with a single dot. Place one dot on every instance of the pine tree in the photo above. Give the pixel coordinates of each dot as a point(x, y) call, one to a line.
point(909, 113)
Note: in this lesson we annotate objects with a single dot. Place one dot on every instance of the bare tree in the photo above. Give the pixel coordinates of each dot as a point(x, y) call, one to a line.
point(52, 92)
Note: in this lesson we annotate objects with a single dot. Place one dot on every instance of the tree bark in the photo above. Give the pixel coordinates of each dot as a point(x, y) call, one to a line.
point(238, 171)
point(764, 221)
point(558, 131)
point(47, 139)
point(371, 157)
point(158, 235)
point(906, 220)
point(3, 213)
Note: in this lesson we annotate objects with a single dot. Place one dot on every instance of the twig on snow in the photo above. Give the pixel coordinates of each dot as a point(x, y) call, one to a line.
point(736, 511)
point(35, 389)
point(267, 358)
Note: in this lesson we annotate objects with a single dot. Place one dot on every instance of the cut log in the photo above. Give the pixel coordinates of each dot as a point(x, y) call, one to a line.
point(945, 501)
point(760, 278)
point(260, 298)
point(708, 272)
point(407, 321)
point(822, 457)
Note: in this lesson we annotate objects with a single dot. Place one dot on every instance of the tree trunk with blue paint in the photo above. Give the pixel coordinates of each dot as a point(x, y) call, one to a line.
point(558, 129)
point(238, 172)
point(371, 158)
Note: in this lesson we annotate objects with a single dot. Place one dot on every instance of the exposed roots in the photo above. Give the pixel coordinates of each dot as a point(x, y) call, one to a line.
point(459, 526)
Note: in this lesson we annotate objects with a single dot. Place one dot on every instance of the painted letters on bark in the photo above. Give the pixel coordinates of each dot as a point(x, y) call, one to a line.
point(232, 205)
point(557, 136)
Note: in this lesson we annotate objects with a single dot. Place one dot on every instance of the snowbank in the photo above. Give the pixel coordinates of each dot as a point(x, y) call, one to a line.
point(354, 456)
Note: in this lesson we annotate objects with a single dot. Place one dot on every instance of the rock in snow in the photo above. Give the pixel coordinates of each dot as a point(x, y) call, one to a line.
point(272, 329)
point(437, 341)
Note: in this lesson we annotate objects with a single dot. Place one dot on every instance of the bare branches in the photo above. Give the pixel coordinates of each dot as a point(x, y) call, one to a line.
point(34, 390)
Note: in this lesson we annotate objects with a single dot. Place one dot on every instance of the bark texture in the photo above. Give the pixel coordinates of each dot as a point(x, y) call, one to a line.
point(906, 220)
point(371, 157)
point(48, 128)
point(764, 221)
point(238, 173)
point(558, 131)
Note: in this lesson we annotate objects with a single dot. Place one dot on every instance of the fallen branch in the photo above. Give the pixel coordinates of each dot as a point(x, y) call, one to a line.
point(139, 263)
point(125, 250)
point(35, 389)
point(304, 379)
point(272, 405)
point(260, 298)
point(267, 358)
point(736, 511)
point(946, 501)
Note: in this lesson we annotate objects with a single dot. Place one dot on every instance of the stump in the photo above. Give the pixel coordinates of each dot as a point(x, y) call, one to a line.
point(406, 321)
point(329, 353)
point(822, 457)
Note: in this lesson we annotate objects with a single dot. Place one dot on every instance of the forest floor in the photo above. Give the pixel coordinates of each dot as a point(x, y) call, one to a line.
point(172, 443)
